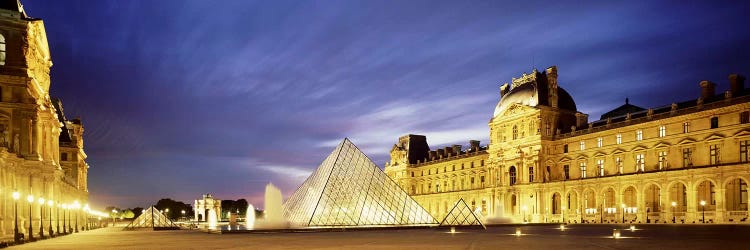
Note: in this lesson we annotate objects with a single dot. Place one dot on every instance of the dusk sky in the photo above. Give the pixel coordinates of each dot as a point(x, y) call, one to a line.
point(182, 98)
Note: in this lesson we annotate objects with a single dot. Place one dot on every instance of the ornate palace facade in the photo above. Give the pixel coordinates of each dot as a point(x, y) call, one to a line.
point(41, 152)
point(547, 163)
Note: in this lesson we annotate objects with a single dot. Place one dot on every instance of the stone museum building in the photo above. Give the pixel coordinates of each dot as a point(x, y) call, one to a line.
point(41, 152)
point(686, 162)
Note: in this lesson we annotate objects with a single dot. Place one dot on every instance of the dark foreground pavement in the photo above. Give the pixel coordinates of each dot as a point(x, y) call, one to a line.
point(534, 237)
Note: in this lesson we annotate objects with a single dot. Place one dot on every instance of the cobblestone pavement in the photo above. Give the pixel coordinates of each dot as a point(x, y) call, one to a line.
point(533, 237)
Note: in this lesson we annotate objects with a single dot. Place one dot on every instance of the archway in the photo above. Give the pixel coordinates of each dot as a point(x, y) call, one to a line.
point(609, 198)
point(677, 202)
point(589, 199)
point(735, 198)
point(705, 200)
point(629, 204)
point(556, 202)
point(571, 203)
point(652, 193)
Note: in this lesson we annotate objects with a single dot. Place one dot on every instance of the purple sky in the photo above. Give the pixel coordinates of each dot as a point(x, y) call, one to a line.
point(181, 98)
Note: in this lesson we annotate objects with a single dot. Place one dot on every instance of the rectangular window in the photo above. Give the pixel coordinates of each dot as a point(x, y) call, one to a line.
point(472, 182)
point(566, 171)
point(64, 156)
point(662, 160)
point(743, 151)
point(481, 180)
point(412, 174)
point(713, 195)
point(600, 167)
point(639, 135)
point(454, 168)
point(583, 170)
point(714, 155)
point(687, 157)
point(472, 164)
point(745, 117)
point(743, 193)
point(413, 189)
point(565, 148)
point(531, 174)
point(583, 146)
point(437, 188)
point(714, 122)
point(640, 163)
point(619, 138)
point(662, 131)
point(599, 142)
point(620, 169)
point(686, 127)
point(481, 163)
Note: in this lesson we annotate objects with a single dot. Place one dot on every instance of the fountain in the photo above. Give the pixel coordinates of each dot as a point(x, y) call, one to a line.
point(250, 217)
point(212, 219)
point(498, 217)
point(273, 217)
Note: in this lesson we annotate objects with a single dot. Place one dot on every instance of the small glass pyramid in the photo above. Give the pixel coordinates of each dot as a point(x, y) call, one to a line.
point(151, 218)
point(348, 189)
point(461, 215)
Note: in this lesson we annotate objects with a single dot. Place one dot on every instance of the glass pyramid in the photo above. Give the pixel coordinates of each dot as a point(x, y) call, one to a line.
point(348, 189)
point(151, 218)
point(461, 215)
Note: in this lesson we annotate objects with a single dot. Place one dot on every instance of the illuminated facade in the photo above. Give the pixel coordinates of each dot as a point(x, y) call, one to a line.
point(348, 189)
point(204, 205)
point(546, 162)
point(41, 152)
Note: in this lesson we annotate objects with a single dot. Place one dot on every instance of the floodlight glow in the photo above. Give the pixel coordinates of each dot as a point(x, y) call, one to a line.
point(16, 195)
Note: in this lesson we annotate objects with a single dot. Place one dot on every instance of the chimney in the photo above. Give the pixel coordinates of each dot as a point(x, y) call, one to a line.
point(503, 89)
point(433, 155)
point(736, 84)
point(474, 145)
point(457, 149)
point(708, 89)
point(441, 153)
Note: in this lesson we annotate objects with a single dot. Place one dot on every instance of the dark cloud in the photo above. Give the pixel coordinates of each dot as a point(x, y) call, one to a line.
point(181, 98)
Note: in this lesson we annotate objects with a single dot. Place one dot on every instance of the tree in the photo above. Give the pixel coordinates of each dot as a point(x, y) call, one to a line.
point(128, 214)
point(175, 208)
point(137, 211)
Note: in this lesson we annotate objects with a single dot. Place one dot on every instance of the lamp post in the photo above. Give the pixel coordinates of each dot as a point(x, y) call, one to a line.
point(703, 211)
point(57, 210)
point(16, 236)
point(50, 204)
point(674, 217)
point(183, 213)
point(30, 199)
point(623, 212)
point(114, 217)
point(41, 218)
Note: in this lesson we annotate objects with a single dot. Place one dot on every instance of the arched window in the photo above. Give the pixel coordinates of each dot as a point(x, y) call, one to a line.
point(515, 132)
point(512, 172)
point(2, 50)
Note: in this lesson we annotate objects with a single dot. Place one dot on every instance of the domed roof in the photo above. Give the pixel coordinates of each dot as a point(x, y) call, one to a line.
point(528, 94)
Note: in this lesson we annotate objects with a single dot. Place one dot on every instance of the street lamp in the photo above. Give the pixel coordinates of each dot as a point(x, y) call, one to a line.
point(703, 211)
point(57, 210)
point(114, 216)
point(183, 213)
point(674, 217)
point(30, 199)
point(16, 236)
point(623, 212)
point(50, 204)
point(41, 218)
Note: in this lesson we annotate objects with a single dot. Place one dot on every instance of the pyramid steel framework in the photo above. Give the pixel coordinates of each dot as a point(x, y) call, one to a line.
point(153, 219)
point(348, 189)
point(461, 215)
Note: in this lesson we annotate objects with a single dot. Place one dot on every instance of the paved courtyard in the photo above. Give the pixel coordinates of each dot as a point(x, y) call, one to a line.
point(534, 237)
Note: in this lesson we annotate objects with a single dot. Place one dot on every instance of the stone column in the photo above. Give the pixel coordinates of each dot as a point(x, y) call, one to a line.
point(720, 195)
point(692, 201)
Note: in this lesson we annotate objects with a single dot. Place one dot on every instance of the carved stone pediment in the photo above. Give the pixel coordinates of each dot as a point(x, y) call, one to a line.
point(515, 109)
point(714, 137)
point(662, 145)
point(742, 133)
point(686, 141)
point(638, 147)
